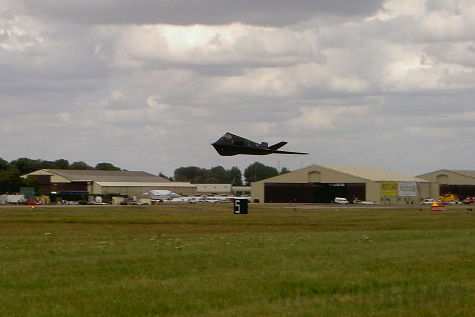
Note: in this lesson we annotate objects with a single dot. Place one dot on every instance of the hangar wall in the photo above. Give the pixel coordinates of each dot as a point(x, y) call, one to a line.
point(98, 182)
point(350, 184)
point(311, 174)
point(458, 182)
point(102, 188)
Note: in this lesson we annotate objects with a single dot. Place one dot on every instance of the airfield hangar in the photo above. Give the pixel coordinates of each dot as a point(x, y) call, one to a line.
point(321, 184)
point(98, 182)
point(458, 182)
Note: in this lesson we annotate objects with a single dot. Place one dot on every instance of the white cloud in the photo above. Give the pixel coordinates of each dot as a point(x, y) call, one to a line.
point(384, 80)
point(328, 117)
point(18, 34)
point(154, 102)
point(158, 46)
point(394, 9)
point(442, 26)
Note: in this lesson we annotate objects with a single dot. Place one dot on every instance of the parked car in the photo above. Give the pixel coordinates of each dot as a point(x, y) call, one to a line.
point(367, 202)
point(362, 202)
point(427, 201)
point(341, 200)
point(469, 200)
point(130, 202)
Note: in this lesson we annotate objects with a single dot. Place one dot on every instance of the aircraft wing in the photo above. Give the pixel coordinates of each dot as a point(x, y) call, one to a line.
point(277, 145)
point(284, 152)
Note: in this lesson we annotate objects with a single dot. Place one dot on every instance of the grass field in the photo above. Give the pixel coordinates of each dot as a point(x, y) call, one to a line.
point(202, 260)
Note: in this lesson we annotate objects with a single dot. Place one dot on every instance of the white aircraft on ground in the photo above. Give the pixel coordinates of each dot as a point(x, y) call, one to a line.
point(162, 194)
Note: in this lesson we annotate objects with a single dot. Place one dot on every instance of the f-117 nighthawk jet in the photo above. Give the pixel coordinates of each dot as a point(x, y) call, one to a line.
point(231, 144)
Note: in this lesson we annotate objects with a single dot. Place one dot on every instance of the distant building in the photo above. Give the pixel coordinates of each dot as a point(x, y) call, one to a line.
point(213, 189)
point(458, 182)
point(223, 189)
point(241, 190)
point(98, 182)
point(322, 184)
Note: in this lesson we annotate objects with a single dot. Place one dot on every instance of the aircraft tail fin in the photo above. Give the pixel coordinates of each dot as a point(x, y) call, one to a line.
point(277, 145)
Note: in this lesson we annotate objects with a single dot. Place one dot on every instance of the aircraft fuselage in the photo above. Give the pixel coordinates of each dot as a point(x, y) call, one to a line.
point(230, 144)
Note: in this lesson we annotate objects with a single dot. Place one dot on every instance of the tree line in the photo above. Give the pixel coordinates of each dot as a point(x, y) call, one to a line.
point(10, 172)
point(219, 175)
point(11, 180)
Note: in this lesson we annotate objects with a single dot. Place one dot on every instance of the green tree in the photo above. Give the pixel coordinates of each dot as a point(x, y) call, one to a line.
point(13, 169)
point(165, 176)
point(61, 164)
point(10, 182)
point(107, 167)
point(3, 176)
point(26, 165)
point(235, 176)
point(3, 165)
point(214, 175)
point(217, 175)
point(80, 166)
point(46, 164)
point(191, 174)
point(29, 182)
point(284, 170)
point(258, 171)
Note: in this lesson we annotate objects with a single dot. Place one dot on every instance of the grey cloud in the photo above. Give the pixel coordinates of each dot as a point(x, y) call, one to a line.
point(52, 72)
point(456, 53)
point(186, 12)
point(390, 93)
point(449, 6)
point(438, 106)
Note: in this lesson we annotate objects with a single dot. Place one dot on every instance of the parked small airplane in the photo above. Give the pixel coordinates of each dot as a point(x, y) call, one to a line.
point(162, 194)
point(231, 144)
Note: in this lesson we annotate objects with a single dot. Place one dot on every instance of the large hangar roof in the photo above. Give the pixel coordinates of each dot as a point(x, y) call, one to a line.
point(449, 176)
point(147, 184)
point(470, 174)
point(104, 176)
point(374, 174)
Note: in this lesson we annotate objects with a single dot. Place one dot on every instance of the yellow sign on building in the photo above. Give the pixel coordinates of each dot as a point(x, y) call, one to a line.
point(389, 189)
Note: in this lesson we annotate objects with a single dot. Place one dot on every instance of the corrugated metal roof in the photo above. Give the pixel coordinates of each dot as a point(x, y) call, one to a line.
point(375, 174)
point(467, 173)
point(108, 176)
point(135, 184)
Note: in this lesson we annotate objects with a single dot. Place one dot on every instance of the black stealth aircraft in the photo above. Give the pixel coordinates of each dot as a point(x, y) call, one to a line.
point(231, 144)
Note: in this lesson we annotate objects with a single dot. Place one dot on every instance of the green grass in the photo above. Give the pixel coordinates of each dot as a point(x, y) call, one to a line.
point(202, 260)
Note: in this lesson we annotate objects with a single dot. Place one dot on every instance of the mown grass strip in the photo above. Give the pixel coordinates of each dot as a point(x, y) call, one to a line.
point(210, 262)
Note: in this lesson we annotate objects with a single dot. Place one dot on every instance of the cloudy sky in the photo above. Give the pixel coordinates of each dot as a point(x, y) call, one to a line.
point(149, 84)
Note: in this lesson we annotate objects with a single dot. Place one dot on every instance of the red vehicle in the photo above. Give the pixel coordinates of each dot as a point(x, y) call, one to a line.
point(469, 200)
